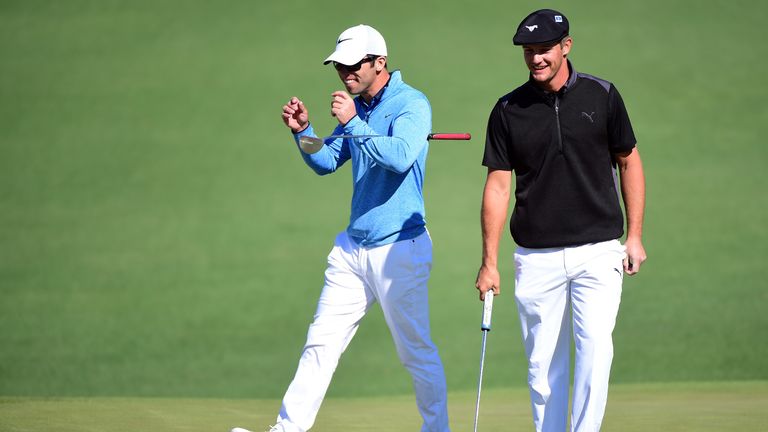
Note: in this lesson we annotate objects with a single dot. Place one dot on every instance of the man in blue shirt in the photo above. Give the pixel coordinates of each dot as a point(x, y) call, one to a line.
point(385, 254)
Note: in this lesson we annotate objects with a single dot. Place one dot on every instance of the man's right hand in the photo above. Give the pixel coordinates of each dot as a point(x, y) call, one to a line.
point(295, 115)
point(488, 279)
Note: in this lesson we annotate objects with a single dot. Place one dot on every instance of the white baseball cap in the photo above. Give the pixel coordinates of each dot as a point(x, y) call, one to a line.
point(357, 42)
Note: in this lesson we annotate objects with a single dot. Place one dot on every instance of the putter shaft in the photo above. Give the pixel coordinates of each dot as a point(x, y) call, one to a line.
point(480, 380)
point(485, 326)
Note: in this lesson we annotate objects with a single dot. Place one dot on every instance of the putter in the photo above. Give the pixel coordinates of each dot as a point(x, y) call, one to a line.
point(485, 326)
point(312, 145)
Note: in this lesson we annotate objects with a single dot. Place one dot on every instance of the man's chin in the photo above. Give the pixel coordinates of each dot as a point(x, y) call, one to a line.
point(540, 77)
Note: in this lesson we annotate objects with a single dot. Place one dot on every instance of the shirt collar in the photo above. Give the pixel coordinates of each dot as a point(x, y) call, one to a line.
point(376, 98)
point(572, 76)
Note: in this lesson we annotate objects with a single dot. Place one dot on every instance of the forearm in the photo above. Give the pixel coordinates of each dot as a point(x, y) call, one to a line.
point(633, 194)
point(492, 220)
point(493, 217)
point(326, 160)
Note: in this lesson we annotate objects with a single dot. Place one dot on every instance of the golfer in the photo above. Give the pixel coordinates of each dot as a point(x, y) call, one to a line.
point(385, 254)
point(565, 135)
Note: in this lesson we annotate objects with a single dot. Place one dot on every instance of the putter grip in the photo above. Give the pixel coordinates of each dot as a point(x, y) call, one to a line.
point(487, 309)
point(449, 136)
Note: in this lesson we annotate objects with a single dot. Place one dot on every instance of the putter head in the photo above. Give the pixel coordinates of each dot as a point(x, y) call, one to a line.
point(310, 145)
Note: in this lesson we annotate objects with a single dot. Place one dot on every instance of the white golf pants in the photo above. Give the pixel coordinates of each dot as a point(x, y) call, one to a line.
point(395, 276)
point(559, 292)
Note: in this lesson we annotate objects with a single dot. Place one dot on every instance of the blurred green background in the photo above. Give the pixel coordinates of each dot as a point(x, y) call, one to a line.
point(160, 235)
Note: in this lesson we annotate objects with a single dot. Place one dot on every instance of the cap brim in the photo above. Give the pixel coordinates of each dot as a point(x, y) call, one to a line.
point(533, 41)
point(345, 58)
point(347, 53)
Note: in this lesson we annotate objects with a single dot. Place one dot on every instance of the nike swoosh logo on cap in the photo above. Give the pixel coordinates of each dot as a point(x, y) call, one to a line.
point(342, 40)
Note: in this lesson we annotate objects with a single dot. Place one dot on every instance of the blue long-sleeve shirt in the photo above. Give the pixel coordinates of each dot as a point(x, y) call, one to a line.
point(388, 169)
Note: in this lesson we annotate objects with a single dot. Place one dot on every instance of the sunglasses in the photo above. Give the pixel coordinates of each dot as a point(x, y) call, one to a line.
point(355, 67)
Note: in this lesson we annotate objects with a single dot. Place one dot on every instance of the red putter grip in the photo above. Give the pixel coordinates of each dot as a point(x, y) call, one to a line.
point(449, 136)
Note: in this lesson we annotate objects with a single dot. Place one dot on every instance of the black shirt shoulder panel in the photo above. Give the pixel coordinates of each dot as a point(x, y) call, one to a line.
point(603, 83)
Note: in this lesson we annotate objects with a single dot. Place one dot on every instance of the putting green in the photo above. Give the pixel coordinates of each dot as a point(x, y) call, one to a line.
point(160, 235)
point(701, 407)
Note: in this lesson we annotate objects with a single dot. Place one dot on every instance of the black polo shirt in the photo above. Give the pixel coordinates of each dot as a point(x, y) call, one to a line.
point(560, 147)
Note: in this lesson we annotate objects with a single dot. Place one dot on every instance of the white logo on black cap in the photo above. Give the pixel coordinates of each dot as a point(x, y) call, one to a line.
point(532, 28)
point(558, 18)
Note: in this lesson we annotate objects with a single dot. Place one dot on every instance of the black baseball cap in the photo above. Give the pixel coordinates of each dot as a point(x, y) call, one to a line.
point(541, 27)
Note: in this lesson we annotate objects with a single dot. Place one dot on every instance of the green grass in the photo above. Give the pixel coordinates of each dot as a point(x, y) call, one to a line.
point(705, 407)
point(160, 236)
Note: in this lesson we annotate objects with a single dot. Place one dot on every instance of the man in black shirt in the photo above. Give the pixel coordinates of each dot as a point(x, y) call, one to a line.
point(565, 135)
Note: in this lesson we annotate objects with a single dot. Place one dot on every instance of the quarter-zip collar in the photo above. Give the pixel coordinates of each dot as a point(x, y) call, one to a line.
point(554, 98)
point(378, 96)
point(550, 96)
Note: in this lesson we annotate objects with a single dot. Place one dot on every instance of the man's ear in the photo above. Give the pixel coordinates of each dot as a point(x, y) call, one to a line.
point(381, 63)
point(566, 44)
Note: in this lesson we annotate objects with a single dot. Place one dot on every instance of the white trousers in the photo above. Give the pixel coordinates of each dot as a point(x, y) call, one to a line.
point(559, 292)
point(395, 276)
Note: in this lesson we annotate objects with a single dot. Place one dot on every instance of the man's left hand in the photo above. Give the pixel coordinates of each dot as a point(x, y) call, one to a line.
point(343, 107)
point(635, 256)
